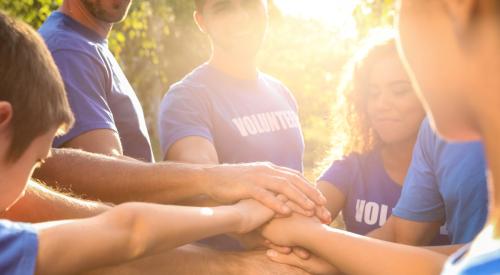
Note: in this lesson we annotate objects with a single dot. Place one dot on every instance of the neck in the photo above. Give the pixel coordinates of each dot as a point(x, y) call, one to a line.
point(236, 66)
point(399, 153)
point(397, 158)
point(77, 11)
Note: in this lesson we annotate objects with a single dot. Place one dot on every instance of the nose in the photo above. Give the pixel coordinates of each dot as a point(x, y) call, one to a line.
point(383, 102)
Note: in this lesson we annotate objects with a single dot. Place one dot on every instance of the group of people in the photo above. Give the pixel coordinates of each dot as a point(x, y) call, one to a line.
point(82, 193)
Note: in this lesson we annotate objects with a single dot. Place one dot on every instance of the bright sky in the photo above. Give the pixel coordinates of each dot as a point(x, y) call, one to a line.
point(334, 13)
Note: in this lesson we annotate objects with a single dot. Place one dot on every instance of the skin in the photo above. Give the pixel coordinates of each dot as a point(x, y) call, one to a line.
point(127, 232)
point(467, 35)
point(235, 29)
point(454, 73)
point(165, 182)
point(395, 113)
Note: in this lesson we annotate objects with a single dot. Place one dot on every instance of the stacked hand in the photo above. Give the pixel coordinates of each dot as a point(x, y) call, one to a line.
point(264, 182)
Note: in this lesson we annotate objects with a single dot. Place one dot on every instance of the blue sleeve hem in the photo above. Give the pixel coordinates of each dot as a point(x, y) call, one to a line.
point(183, 133)
point(82, 128)
point(417, 217)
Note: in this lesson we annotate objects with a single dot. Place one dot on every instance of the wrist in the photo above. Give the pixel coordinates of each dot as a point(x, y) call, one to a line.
point(232, 218)
point(207, 176)
point(307, 236)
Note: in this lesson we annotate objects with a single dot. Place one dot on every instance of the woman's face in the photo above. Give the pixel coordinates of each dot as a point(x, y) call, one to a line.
point(439, 66)
point(393, 109)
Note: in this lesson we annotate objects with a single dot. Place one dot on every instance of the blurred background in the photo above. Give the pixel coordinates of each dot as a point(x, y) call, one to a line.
point(308, 43)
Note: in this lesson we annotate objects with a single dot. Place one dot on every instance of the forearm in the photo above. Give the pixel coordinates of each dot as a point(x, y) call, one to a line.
point(41, 204)
point(119, 180)
point(127, 232)
point(354, 254)
point(187, 224)
point(445, 249)
point(382, 234)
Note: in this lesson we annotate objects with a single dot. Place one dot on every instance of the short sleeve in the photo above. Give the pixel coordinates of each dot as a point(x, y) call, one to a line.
point(340, 174)
point(420, 198)
point(184, 112)
point(19, 248)
point(85, 82)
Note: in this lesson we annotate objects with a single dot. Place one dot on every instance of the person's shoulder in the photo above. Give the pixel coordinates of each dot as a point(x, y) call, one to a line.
point(351, 161)
point(275, 82)
point(64, 41)
point(193, 82)
point(58, 37)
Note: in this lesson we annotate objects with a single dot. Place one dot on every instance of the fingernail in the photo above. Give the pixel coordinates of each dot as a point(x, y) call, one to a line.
point(272, 253)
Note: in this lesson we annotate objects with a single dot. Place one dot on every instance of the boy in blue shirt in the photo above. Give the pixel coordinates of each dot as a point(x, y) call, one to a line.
point(445, 182)
point(33, 109)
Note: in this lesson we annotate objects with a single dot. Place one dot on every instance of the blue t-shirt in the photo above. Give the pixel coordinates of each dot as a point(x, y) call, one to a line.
point(446, 181)
point(98, 91)
point(18, 248)
point(484, 264)
point(370, 193)
point(246, 120)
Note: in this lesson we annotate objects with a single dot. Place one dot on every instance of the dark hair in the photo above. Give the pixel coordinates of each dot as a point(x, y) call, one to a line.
point(31, 83)
point(351, 131)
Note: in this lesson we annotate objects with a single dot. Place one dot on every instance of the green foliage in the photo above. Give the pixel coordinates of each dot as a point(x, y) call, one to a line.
point(159, 43)
point(33, 12)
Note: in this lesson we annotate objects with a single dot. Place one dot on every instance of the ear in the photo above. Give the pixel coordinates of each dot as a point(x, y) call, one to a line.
point(200, 21)
point(6, 113)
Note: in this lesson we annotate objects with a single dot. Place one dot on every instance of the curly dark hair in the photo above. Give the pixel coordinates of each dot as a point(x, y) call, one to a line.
point(351, 130)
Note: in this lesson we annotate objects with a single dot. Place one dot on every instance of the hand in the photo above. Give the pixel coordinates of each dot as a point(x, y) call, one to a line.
point(313, 264)
point(251, 215)
point(262, 181)
point(289, 231)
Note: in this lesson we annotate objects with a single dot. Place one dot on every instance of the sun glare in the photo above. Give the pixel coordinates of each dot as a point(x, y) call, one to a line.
point(335, 14)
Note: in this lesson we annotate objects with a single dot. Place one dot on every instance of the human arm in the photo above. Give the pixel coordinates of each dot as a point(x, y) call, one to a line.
point(119, 180)
point(134, 230)
point(351, 253)
point(406, 231)
point(41, 204)
point(334, 197)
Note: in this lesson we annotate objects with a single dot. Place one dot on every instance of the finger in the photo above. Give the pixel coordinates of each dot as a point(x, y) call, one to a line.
point(289, 259)
point(303, 184)
point(269, 200)
point(323, 214)
point(282, 198)
point(279, 249)
point(283, 186)
point(301, 253)
point(297, 209)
